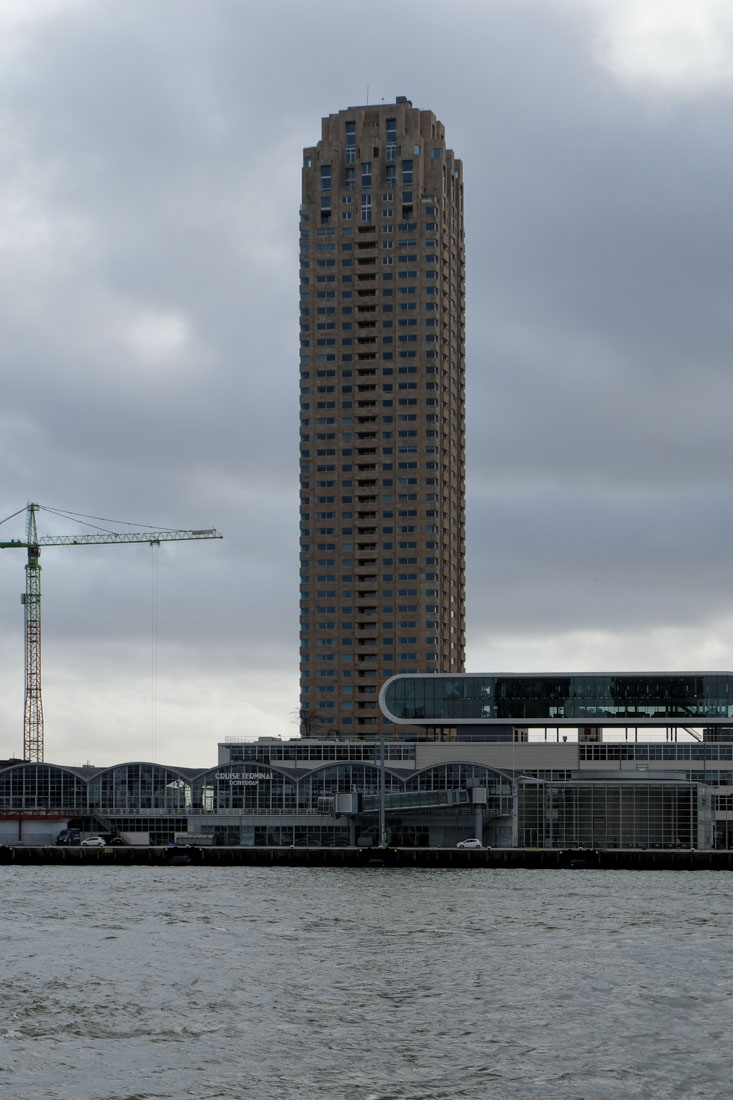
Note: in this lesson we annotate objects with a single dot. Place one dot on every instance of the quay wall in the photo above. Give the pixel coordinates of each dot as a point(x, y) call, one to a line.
point(601, 859)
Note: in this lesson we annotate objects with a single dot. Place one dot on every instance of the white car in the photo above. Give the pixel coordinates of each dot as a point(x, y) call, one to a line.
point(472, 842)
point(94, 842)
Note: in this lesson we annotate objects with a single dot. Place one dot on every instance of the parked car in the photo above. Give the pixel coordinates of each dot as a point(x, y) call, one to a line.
point(69, 837)
point(94, 842)
point(472, 842)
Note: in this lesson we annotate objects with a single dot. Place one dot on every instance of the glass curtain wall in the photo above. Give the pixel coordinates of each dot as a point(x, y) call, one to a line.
point(42, 786)
point(581, 698)
point(251, 788)
point(610, 815)
point(130, 787)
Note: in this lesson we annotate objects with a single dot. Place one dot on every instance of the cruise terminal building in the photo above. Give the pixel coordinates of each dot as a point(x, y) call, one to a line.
point(517, 760)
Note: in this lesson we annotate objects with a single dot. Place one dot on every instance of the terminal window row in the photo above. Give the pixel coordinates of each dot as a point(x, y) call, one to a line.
point(665, 751)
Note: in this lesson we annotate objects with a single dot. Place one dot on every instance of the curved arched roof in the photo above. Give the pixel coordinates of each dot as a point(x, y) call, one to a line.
point(458, 763)
point(329, 765)
point(186, 774)
point(84, 773)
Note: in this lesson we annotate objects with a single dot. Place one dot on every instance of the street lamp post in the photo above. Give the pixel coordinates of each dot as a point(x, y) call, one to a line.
point(382, 828)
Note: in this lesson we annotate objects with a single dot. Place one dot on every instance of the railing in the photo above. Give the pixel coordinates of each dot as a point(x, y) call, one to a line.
point(248, 811)
point(95, 811)
point(41, 811)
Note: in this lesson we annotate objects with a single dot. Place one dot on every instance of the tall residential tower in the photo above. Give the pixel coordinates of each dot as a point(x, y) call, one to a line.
point(382, 413)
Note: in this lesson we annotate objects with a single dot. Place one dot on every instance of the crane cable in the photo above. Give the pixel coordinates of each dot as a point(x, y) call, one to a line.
point(154, 652)
point(82, 517)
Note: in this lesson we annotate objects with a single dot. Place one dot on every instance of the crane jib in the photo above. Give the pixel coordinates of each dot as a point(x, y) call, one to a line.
point(112, 537)
point(33, 736)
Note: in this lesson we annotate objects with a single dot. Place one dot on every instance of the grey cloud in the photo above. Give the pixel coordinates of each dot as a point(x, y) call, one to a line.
point(151, 169)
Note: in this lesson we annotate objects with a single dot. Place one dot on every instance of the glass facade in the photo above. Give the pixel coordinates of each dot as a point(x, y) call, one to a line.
point(265, 752)
point(674, 750)
point(150, 789)
point(41, 787)
point(342, 778)
point(609, 698)
point(251, 789)
point(257, 803)
point(139, 787)
point(615, 815)
point(462, 776)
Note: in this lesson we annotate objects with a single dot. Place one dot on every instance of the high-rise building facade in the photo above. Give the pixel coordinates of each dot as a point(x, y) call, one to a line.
point(382, 413)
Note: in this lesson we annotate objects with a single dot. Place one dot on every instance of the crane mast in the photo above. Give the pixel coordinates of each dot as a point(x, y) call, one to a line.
point(33, 734)
point(33, 708)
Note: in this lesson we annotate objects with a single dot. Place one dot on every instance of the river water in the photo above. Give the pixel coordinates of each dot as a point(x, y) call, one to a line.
point(364, 984)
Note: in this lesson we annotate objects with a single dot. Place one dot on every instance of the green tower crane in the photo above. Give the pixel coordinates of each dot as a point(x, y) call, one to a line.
point(33, 747)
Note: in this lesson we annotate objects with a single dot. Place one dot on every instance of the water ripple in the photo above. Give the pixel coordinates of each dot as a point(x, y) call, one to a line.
point(293, 984)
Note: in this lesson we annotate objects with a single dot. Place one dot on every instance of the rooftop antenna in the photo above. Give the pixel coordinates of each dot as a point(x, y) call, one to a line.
point(367, 102)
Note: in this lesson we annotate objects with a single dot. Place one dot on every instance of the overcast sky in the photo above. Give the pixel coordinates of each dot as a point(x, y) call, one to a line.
point(150, 155)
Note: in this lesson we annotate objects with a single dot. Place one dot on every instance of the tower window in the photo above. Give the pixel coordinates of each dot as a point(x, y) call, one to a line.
point(350, 142)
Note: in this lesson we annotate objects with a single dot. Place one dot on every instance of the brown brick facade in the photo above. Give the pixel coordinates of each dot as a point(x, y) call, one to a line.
point(382, 414)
